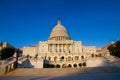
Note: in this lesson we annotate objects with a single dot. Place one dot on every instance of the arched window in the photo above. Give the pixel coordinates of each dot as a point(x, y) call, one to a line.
point(75, 65)
point(96, 55)
point(69, 58)
point(55, 58)
point(80, 65)
point(52, 66)
point(82, 57)
point(64, 66)
point(62, 58)
point(45, 65)
point(92, 55)
point(84, 64)
point(28, 55)
point(99, 55)
point(69, 65)
point(49, 58)
point(76, 57)
point(57, 66)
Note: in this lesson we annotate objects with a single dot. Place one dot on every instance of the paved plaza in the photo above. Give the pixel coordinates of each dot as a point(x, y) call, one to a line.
point(104, 73)
point(98, 76)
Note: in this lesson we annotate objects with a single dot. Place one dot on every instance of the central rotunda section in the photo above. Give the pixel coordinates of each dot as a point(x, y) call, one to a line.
point(60, 51)
point(59, 32)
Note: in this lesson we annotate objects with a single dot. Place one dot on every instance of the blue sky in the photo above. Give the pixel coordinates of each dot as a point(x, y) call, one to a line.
point(26, 22)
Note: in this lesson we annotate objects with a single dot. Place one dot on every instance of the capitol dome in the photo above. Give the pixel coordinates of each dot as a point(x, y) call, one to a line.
point(59, 32)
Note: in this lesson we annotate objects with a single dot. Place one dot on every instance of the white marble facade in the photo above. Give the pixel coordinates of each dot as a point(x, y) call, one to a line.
point(59, 49)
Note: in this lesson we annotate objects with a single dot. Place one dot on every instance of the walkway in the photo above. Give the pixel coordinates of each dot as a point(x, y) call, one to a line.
point(101, 73)
point(94, 76)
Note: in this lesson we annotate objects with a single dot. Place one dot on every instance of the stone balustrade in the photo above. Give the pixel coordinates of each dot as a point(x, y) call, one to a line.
point(9, 64)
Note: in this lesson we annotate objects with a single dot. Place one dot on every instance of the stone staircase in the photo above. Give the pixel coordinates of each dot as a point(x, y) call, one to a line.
point(8, 64)
point(62, 71)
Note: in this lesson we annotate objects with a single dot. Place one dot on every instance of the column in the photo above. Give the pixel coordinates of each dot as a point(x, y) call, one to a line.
point(53, 48)
point(61, 47)
point(48, 48)
point(58, 47)
point(70, 48)
point(66, 48)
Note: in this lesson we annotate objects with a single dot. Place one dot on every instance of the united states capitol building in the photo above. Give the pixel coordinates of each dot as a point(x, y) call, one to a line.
point(60, 51)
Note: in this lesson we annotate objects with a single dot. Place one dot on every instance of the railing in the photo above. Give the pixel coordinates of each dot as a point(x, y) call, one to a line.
point(9, 60)
point(10, 64)
point(22, 58)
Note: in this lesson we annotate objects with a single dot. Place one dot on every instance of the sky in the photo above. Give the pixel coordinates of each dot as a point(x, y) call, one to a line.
point(26, 22)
